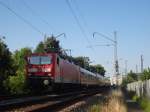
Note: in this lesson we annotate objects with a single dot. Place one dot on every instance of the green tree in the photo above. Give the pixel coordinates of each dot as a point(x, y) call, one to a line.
point(6, 61)
point(145, 75)
point(131, 77)
point(82, 61)
point(97, 69)
point(100, 69)
point(19, 58)
point(49, 45)
point(92, 68)
point(17, 84)
point(40, 48)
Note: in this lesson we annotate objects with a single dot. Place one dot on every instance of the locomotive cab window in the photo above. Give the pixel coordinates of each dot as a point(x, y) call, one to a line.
point(39, 60)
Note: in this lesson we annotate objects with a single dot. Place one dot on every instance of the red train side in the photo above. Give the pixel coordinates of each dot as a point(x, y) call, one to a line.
point(50, 69)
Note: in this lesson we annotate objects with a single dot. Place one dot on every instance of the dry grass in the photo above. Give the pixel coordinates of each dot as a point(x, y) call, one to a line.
point(114, 103)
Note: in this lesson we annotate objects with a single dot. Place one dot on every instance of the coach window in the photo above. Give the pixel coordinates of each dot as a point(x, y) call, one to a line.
point(58, 61)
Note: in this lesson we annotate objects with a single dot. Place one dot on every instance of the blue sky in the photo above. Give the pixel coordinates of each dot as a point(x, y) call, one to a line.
point(130, 18)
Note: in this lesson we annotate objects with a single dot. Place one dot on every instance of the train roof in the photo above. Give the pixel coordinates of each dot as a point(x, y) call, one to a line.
point(100, 76)
point(87, 72)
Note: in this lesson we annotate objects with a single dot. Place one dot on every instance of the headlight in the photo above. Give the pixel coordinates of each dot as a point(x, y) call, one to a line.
point(46, 82)
point(46, 69)
point(49, 74)
point(32, 70)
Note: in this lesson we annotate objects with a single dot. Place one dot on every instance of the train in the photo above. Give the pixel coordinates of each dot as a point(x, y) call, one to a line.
point(50, 70)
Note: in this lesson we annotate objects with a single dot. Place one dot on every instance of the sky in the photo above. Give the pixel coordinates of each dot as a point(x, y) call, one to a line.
point(130, 18)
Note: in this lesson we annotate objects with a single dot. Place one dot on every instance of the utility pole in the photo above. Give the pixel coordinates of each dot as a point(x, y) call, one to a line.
point(116, 57)
point(136, 69)
point(45, 38)
point(115, 43)
point(142, 63)
point(126, 67)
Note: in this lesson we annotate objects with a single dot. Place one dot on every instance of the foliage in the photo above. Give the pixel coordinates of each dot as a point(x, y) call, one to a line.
point(52, 44)
point(17, 84)
point(145, 75)
point(19, 58)
point(97, 69)
point(6, 63)
point(95, 108)
point(135, 98)
point(40, 48)
point(49, 45)
point(82, 61)
point(131, 77)
point(145, 104)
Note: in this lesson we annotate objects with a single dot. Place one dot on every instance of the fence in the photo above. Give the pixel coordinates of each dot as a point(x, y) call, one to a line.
point(142, 88)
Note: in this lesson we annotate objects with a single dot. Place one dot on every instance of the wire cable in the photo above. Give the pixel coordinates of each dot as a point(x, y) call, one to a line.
point(81, 14)
point(36, 14)
point(78, 22)
point(21, 18)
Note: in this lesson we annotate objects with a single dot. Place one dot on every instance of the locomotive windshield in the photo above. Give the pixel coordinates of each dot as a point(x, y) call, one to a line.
point(39, 60)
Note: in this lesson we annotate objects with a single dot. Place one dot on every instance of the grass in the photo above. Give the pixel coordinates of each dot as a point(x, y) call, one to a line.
point(145, 104)
point(113, 103)
point(143, 101)
point(95, 108)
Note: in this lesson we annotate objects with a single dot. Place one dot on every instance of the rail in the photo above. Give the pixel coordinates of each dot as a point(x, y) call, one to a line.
point(45, 102)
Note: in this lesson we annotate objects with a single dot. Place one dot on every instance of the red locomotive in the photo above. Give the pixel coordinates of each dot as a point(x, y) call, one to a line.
point(49, 69)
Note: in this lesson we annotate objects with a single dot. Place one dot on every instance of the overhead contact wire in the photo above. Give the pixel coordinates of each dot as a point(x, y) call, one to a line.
point(21, 18)
point(78, 23)
point(36, 14)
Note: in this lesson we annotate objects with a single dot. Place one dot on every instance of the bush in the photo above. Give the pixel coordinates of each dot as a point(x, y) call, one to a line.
point(16, 84)
point(131, 77)
point(6, 65)
point(135, 98)
point(145, 104)
point(145, 75)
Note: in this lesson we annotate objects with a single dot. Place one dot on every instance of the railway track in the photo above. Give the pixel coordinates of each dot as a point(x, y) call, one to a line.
point(46, 102)
point(8, 97)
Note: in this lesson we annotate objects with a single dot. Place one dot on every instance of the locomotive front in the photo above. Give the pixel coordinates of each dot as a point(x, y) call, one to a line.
point(40, 70)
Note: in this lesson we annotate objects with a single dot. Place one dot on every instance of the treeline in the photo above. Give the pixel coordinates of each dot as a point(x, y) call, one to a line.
point(133, 77)
point(12, 65)
point(12, 70)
